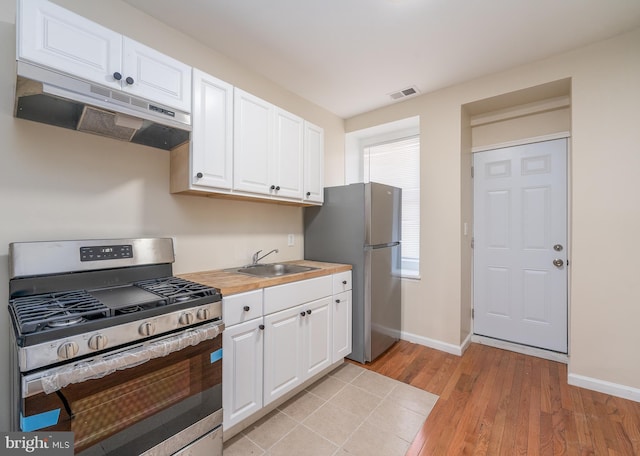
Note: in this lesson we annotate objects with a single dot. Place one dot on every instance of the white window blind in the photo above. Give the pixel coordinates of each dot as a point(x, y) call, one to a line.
point(397, 163)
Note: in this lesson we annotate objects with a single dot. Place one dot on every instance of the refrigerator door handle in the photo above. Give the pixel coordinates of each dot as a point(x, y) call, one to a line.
point(382, 246)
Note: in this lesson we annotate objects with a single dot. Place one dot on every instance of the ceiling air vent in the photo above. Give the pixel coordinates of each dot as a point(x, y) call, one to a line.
point(408, 92)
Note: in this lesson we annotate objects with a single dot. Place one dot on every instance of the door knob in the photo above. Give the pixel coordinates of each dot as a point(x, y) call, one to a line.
point(558, 263)
point(557, 248)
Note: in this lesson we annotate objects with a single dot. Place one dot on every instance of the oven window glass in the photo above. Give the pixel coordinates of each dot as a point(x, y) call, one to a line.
point(136, 408)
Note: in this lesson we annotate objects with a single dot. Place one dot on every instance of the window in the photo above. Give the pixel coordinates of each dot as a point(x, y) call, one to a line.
point(396, 162)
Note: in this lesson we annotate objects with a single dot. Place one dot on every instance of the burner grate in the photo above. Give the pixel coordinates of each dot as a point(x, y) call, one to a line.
point(176, 289)
point(34, 313)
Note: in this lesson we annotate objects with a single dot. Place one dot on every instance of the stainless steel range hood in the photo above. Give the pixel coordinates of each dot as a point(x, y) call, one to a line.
point(46, 96)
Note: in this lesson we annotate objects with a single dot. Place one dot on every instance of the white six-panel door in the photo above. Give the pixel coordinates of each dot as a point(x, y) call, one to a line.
point(520, 237)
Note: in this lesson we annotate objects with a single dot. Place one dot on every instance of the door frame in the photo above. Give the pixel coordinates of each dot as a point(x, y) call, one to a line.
point(512, 346)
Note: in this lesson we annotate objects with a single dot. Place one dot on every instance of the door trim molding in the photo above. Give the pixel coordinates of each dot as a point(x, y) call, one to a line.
point(522, 142)
point(523, 349)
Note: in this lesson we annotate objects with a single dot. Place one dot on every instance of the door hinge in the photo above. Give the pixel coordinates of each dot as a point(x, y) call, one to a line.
point(473, 313)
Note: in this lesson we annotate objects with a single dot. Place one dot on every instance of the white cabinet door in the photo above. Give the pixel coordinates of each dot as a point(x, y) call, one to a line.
point(242, 371)
point(155, 76)
point(54, 37)
point(253, 143)
point(211, 138)
point(287, 155)
point(313, 163)
point(62, 40)
point(317, 342)
point(283, 369)
point(342, 311)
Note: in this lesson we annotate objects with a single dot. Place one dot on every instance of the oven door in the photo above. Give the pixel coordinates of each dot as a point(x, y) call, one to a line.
point(154, 398)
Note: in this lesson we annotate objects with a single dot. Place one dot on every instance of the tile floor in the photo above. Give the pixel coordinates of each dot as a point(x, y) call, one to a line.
point(351, 411)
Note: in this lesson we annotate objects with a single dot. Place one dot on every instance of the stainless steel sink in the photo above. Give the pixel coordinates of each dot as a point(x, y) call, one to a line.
point(273, 269)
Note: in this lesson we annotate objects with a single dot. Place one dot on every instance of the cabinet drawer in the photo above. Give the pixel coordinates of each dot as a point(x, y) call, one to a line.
point(341, 282)
point(241, 307)
point(292, 294)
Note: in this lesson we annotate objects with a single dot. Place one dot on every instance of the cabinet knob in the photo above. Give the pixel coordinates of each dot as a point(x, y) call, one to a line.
point(199, 175)
point(309, 312)
point(303, 313)
point(308, 194)
point(117, 76)
point(344, 282)
point(273, 187)
point(261, 327)
point(247, 308)
point(129, 80)
point(277, 188)
point(338, 301)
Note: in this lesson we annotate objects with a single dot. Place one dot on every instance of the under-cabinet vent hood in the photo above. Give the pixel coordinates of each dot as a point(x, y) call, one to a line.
point(53, 98)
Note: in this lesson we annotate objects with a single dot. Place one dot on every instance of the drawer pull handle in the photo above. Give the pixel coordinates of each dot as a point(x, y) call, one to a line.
point(344, 282)
point(303, 313)
point(261, 327)
point(247, 308)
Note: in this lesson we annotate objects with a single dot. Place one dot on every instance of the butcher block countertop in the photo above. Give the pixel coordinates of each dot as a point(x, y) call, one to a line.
point(232, 282)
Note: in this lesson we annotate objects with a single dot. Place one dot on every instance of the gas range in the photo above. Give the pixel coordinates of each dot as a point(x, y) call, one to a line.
point(102, 294)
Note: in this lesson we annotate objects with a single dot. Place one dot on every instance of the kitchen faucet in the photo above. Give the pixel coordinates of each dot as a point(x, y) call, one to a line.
point(256, 258)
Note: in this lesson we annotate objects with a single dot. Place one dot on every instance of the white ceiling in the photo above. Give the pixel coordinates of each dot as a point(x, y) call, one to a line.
point(348, 56)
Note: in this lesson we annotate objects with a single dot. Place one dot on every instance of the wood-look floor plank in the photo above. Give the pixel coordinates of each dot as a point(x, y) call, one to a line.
point(495, 402)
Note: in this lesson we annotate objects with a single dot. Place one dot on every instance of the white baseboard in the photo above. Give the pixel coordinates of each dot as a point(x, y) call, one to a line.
point(603, 386)
point(436, 344)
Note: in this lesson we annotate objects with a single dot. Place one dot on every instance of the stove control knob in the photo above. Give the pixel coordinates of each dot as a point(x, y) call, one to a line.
point(98, 342)
point(68, 350)
point(186, 318)
point(204, 314)
point(147, 329)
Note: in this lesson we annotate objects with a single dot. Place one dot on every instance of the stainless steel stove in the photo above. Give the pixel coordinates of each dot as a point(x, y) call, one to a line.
point(105, 322)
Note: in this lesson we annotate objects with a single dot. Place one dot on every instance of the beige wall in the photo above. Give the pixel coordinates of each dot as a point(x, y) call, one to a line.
point(605, 196)
point(59, 184)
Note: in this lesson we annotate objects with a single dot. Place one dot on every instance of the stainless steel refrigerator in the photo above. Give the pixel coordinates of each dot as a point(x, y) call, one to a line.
point(360, 224)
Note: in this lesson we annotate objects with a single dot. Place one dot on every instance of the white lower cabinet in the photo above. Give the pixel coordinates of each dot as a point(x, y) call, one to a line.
point(282, 353)
point(297, 346)
point(242, 371)
point(342, 308)
point(278, 338)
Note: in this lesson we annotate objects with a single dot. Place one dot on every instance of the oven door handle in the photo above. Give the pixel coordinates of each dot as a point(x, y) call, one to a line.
point(52, 380)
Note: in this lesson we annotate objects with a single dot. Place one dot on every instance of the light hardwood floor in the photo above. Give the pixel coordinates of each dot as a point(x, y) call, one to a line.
point(496, 402)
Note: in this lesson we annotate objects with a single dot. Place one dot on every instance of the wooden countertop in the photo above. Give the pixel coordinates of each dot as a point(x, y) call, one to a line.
point(232, 282)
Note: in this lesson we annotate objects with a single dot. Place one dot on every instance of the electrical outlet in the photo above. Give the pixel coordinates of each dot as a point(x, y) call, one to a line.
point(291, 240)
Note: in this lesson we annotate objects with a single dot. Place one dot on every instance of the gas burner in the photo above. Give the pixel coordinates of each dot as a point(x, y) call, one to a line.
point(131, 309)
point(48, 311)
point(65, 323)
point(176, 289)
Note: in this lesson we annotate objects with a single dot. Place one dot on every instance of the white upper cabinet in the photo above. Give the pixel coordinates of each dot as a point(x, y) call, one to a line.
point(59, 39)
point(313, 191)
point(288, 155)
point(212, 136)
point(150, 74)
point(268, 148)
point(253, 143)
point(56, 38)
